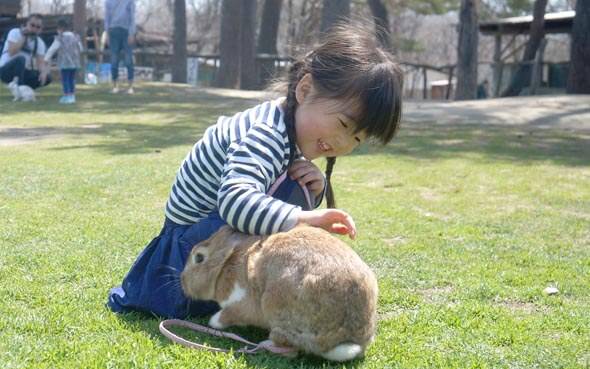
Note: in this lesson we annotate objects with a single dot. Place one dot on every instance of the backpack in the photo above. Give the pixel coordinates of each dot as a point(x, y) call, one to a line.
point(2, 41)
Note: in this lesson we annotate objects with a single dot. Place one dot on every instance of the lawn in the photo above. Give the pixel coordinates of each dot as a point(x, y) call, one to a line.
point(464, 225)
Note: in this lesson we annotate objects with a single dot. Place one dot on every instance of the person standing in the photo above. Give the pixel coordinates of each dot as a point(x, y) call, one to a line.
point(22, 55)
point(68, 47)
point(119, 23)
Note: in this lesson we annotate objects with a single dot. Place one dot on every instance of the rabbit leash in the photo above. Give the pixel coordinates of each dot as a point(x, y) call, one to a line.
point(250, 348)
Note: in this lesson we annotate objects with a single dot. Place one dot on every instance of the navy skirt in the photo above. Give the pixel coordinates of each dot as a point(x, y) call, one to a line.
point(152, 285)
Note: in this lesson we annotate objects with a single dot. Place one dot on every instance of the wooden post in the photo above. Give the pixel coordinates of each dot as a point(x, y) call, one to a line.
point(425, 83)
point(450, 83)
point(497, 64)
point(79, 27)
point(537, 69)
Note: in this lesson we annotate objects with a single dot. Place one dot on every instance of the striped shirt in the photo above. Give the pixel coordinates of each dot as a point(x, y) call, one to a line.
point(232, 168)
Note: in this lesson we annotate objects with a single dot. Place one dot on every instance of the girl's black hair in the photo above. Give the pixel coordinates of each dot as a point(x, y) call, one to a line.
point(350, 66)
point(62, 23)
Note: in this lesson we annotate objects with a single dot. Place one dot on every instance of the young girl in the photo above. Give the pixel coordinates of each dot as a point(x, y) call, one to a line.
point(68, 47)
point(340, 94)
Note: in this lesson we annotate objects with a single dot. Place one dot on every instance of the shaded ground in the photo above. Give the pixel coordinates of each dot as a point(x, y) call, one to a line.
point(567, 113)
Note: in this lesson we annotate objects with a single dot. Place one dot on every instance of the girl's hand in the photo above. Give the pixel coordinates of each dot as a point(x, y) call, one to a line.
point(307, 174)
point(332, 220)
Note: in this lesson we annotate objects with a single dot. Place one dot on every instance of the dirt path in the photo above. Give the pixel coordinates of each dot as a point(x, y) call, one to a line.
point(569, 112)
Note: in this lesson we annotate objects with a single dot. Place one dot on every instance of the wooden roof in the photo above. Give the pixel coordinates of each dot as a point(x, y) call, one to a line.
point(560, 22)
point(9, 8)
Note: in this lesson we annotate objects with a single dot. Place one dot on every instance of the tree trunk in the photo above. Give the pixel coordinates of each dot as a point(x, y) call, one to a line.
point(269, 27)
point(267, 39)
point(229, 45)
point(579, 71)
point(179, 44)
point(80, 20)
point(522, 77)
point(248, 76)
point(79, 27)
point(381, 19)
point(467, 51)
point(332, 12)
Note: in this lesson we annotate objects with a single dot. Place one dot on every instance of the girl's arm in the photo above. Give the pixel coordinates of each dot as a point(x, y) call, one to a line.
point(52, 50)
point(308, 174)
point(332, 220)
point(250, 168)
point(80, 46)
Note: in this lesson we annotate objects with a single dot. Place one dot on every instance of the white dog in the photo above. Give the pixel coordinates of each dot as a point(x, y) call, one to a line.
point(23, 93)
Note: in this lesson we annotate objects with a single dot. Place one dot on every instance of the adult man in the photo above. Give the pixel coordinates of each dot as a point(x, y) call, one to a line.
point(119, 21)
point(22, 55)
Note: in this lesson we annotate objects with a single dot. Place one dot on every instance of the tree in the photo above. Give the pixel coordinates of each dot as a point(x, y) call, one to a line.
point(248, 77)
point(522, 76)
point(79, 26)
point(179, 52)
point(267, 38)
point(381, 18)
point(467, 51)
point(579, 71)
point(229, 45)
point(332, 12)
point(80, 20)
point(269, 27)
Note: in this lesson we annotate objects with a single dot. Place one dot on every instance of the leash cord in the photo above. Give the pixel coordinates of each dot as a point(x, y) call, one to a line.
point(250, 348)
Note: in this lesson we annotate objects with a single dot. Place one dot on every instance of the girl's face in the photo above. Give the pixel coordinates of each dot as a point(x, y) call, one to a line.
point(324, 127)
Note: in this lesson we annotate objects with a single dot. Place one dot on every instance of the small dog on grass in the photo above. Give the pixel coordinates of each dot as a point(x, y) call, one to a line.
point(23, 92)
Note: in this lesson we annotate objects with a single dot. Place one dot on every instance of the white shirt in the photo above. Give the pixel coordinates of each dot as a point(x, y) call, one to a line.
point(15, 35)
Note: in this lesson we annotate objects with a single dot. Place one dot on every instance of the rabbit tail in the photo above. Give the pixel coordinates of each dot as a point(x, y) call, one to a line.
point(343, 352)
point(308, 342)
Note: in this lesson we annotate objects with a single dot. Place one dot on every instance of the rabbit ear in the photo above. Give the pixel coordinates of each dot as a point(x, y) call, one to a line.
point(222, 246)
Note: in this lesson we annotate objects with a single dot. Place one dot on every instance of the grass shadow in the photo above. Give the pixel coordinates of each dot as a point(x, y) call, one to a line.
point(143, 322)
point(487, 142)
point(162, 116)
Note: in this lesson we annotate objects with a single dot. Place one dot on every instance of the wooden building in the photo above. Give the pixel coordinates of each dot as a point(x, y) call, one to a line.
point(9, 8)
point(508, 29)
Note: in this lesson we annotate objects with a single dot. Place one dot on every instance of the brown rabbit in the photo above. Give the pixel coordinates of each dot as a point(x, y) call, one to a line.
point(306, 286)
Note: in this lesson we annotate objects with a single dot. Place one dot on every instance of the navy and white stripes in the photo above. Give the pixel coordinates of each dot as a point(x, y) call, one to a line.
point(231, 168)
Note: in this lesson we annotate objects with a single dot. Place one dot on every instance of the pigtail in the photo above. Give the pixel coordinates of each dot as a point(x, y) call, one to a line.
point(296, 72)
point(329, 190)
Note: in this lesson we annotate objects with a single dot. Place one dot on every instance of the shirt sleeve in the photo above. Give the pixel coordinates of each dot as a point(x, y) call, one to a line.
point(107, 14)
point(132, 28)
point(251, 167)
point(14, 36)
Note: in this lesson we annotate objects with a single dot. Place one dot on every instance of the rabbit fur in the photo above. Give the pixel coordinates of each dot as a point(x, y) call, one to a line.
point(309, 288)
point(23, 92)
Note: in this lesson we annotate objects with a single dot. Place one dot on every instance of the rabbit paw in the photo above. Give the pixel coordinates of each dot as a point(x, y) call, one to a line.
point(215, 321)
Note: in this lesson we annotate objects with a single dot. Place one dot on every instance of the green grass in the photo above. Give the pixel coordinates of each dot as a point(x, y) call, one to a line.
point(464, 225)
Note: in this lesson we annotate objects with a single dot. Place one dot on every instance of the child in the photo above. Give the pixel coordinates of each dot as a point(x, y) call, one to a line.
point(68, 47)
point(340, 94)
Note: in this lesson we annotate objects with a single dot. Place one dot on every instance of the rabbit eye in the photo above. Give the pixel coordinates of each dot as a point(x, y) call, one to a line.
point(198, 258)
